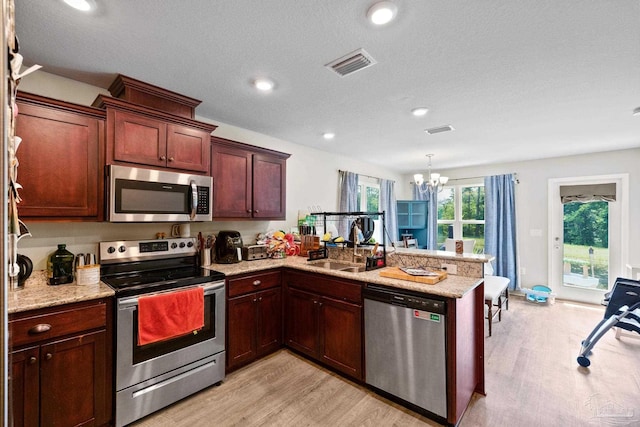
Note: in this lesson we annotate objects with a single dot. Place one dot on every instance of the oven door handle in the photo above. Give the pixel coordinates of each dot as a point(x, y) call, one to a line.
point(208, 290)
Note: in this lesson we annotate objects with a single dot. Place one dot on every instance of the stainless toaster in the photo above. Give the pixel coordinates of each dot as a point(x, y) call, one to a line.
point(253, 252)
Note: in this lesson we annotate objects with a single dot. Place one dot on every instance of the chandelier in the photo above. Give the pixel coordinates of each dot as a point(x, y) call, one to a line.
point(434, 181)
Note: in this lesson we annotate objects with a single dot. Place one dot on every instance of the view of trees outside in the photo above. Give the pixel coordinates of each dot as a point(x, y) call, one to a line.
point(471, 202)
point(586, 239)
point(372, 198)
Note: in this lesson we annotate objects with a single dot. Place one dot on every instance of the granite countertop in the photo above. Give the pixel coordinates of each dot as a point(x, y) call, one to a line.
point(452, 287)
point(36, 293)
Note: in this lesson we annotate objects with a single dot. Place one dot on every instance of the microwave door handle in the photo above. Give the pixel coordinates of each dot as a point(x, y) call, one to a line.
point(194, 199)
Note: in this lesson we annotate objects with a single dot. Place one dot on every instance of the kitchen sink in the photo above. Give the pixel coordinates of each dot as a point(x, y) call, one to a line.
point(354, 269)
point(331, 265)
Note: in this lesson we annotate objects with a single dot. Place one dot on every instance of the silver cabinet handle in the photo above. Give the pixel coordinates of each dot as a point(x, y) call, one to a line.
point(256, 283)
point(163, 158)
point(40, 328)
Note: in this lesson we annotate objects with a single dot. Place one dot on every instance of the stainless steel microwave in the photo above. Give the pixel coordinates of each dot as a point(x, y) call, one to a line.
point(148, 195)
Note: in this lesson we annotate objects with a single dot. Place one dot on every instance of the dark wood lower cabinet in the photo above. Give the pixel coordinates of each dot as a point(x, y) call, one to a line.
point(61, 370)
point(72, 380)
point(324, 320)
point(24, 383)
point(341, 335)
point(254, 317)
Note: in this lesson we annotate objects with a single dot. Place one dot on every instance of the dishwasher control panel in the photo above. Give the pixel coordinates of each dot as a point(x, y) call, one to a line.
point(424, 304)
point(403, 299)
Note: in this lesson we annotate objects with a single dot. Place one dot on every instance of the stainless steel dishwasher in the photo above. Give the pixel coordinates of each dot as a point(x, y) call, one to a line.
point(405, 346)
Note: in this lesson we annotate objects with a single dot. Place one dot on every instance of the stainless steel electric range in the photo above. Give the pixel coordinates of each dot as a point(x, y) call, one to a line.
point(152, 376)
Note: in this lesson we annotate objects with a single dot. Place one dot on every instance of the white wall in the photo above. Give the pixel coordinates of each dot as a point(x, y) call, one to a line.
point(532, 201)
point(312, 180)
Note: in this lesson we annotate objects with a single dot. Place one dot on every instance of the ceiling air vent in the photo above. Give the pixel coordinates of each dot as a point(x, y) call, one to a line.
point(352, 62)
point(445, 128)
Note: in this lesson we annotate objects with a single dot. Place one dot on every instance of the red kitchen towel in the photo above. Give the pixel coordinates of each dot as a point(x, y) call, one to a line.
point(170, 315)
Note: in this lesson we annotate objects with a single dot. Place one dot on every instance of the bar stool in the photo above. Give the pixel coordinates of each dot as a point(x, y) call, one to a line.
point(496, 288)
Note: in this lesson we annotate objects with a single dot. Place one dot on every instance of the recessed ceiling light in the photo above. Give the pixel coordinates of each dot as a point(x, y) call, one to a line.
point(328, 135)
point(382, 12)
point(419, 111)
point(636, 111)
point(83, 5)
point(264, 84)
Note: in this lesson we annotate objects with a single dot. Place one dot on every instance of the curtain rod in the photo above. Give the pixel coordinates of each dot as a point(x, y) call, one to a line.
point(361, 174)
point(515, 176)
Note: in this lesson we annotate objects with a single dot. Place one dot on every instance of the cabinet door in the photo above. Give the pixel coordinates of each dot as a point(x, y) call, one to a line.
point(139, 139)
point(269, 333)
point(302, 321)
point(188, 148)
point(241, 333)
point(232, 186)
point(402, 209)
point(24, 384)
point(74, 381)
point(418, 212)
point(341, 335)
point(269, 187)
point(60, 163)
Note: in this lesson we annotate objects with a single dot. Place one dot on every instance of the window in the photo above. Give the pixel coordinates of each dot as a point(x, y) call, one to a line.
point(371, 201)
point(461, 214)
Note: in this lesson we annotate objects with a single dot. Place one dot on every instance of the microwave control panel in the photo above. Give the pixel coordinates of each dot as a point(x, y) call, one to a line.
point(203, 201)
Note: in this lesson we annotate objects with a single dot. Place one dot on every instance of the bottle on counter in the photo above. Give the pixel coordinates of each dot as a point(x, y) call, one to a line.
point(60, 266)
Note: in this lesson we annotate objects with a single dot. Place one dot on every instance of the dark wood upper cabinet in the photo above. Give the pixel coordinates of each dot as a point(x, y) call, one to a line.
point(143, 136)
point(249, 182)
point(60, 159)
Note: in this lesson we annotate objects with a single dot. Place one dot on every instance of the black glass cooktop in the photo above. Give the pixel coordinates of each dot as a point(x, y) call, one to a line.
point(139, 278)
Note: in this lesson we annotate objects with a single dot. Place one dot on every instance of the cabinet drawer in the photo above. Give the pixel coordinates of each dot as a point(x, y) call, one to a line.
point(52, 325)
point(326, 286)
point(255, 282)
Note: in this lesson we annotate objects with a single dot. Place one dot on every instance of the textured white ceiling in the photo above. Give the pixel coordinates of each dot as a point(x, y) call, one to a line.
point(517, 79)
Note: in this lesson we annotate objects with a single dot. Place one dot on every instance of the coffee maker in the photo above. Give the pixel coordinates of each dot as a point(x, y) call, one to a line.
point(228, 247)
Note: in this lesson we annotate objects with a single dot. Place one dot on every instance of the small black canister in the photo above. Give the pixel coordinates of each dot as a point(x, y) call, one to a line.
point(60, 266)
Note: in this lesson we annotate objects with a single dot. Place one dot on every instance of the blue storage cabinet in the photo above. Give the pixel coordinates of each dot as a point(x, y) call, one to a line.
point(412, 219)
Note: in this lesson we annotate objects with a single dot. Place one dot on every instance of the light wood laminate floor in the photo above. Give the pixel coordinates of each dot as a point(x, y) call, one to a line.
point(532, 379)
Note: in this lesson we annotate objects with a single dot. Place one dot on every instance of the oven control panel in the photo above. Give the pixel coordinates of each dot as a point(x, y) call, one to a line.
point(130, 250)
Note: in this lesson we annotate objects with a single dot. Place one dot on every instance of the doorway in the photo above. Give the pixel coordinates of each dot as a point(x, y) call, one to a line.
point(588, 220)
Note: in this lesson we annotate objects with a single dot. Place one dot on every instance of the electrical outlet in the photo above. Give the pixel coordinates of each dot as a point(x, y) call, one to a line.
point(523, 271)
point(451, 268)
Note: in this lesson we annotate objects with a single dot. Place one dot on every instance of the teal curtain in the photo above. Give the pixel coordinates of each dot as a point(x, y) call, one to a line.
point(500, 226)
